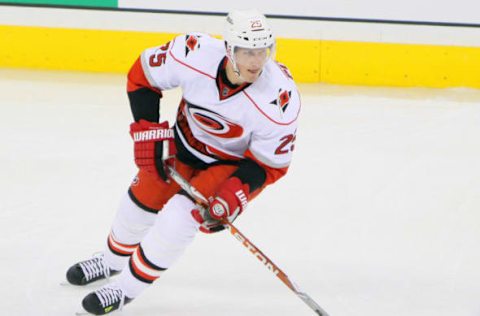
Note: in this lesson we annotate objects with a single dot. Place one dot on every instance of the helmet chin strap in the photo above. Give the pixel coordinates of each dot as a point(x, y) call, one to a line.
point(231, 58)
point(237, 72)
point(235, 69)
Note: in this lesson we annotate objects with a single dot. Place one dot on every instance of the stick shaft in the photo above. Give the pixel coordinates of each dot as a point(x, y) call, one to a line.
point(269, 264)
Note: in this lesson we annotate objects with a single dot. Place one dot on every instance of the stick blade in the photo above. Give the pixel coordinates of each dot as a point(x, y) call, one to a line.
point(312, 304)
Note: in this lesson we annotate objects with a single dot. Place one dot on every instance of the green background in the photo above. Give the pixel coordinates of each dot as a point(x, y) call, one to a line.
point(87, 3)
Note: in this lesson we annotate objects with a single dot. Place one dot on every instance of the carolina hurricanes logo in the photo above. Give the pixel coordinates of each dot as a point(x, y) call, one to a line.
point(283, 99)
point(191, 43)
point(214, 124)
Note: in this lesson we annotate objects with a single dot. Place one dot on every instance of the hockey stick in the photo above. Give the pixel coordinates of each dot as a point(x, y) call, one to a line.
point(203, 202)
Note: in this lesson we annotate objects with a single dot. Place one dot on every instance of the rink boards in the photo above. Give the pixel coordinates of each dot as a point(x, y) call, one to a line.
point(315, 51)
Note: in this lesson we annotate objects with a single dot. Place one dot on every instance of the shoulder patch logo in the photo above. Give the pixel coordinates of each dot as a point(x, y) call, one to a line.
point(283, 99)
point(191, 43)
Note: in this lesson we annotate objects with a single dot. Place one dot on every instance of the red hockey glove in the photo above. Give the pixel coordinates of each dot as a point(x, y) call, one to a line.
point(229, 202)
point(154, 146)
point(231, 199)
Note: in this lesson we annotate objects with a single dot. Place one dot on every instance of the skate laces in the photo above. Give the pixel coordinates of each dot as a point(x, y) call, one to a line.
point(95, 267)
point(109, 295)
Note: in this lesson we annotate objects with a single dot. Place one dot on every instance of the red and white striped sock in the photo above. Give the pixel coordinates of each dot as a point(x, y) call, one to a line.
point(142, 268)
point(129, 227)
point(119, 249)
point(173, 231)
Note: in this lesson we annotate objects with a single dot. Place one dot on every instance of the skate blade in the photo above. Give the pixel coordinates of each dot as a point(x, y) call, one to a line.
point(84, 313)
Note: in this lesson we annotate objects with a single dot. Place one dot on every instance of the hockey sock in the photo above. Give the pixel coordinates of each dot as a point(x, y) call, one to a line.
point(173, 231)
point(129, 227)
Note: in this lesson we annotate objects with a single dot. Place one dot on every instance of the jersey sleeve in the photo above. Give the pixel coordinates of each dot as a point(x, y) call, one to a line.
point(273, 141)
point(159, 66)
point(274, 148)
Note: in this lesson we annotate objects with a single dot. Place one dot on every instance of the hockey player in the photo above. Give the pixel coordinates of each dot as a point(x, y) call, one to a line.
point(234, 135)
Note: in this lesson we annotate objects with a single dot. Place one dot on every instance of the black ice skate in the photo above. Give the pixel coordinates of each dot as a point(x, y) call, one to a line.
point(107, 299)
point(88, 271)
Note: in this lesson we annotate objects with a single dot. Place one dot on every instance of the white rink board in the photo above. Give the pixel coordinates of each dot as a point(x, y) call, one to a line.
point(460, 11)
point(284, 28)
point(377, 216)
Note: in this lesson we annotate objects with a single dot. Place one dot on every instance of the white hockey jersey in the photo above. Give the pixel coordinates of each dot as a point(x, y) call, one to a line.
point(216, 121)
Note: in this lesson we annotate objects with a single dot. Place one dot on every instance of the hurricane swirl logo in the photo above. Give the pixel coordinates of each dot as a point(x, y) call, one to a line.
point(215, 124)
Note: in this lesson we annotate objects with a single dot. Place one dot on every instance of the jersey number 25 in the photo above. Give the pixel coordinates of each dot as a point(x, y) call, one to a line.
point(158, 59)
point(287, 144)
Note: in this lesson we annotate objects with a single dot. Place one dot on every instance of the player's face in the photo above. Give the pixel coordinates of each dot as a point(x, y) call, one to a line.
point(250, 62)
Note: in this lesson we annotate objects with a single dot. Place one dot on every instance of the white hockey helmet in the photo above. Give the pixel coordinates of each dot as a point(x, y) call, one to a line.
point(247, 29)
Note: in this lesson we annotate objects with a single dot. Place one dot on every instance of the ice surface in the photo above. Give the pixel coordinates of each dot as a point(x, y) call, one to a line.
point(378, 216)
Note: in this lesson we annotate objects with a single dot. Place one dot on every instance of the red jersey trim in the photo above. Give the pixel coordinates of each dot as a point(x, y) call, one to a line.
point(273, 174)
point(268, 117)
point(137, 79)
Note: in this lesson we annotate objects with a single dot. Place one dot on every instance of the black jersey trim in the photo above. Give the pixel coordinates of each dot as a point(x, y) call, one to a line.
point(226, 88)
point(186, 157)
point(251, 173)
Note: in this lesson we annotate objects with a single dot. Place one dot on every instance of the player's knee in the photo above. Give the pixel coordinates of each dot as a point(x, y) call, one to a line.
point(175, 223)
point(131, 219)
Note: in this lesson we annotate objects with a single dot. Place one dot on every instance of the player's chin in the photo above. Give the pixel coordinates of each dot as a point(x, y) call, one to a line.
point(251, 75)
